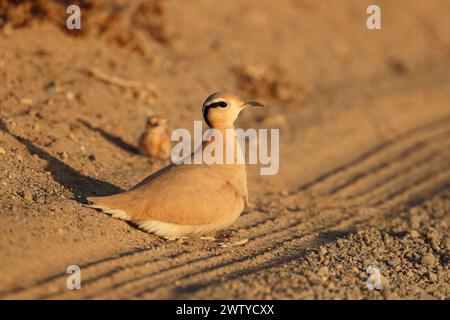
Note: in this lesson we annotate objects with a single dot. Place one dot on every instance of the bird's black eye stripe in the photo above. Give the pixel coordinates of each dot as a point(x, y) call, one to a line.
point(220, 104)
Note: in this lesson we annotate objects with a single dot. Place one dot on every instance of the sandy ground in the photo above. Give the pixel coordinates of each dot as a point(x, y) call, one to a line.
point(364, 167)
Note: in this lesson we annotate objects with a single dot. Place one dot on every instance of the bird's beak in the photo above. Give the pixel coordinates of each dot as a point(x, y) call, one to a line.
point(253, 104)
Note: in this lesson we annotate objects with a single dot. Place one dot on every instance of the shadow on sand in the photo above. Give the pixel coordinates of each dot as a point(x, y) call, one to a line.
point(119, 142)
point(79, 184)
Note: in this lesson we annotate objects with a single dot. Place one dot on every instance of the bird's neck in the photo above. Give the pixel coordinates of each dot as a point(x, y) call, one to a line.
point(222, 125)
point(229, 144)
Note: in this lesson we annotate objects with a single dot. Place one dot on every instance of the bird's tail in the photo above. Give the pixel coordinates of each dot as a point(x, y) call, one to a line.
point(101, 203)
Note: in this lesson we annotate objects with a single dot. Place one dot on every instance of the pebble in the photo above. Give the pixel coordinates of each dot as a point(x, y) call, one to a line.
point(391, 295)
point(63, 155)
point(432, 276)
point(422, 270)
point(240, 242)
point(414, 234)
point(2, 151)
point(50, 87)
point(384, 282)
point(415, 222)
point(446, 244)
point(27, 195)
point(429, 260)
point(70, 95)
point(323, 272)
point(367, 263)
point(26, 101)
point(395, 261)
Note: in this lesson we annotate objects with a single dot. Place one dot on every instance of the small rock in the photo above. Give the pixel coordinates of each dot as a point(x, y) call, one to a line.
point(422, 270)
point(7, 29)
point(414, 234)
point(70, 95)
point(239, 243)
point(2, 151)
point(27, 195)
point(50, 87)
point(27, 101)
point(367, 263)
point(389, 295)
point(415, 222)
point(63, 155)
point(323, 272)
point(384, 282)
point(395, 261)
point(429, 260)
point(432, 276)
point(446, 244)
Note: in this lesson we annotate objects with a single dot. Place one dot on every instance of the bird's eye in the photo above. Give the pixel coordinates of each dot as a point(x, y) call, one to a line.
point(221, 104)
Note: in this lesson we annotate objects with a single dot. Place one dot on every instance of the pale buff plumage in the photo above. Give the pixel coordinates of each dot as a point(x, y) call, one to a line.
point(186, 199)
point(155, 141)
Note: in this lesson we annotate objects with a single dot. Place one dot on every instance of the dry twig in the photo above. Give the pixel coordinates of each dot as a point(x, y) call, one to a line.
point(123, 83)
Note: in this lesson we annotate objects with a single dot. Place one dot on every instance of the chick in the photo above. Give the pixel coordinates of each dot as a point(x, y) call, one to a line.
point(155, 141)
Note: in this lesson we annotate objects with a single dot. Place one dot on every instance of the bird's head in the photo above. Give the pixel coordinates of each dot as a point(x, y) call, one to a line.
point(221, 109)
point(156, 121)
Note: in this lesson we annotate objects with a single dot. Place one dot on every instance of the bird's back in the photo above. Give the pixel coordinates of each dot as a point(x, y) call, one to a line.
point(191, 194)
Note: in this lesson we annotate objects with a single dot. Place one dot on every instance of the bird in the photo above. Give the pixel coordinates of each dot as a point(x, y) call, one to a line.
point(155, 142)
point(182, 199)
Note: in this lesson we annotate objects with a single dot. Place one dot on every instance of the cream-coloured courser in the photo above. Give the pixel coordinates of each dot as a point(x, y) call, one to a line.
point(187, 199)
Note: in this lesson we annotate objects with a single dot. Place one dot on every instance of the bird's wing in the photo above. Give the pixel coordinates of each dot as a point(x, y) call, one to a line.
point(185, 194)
